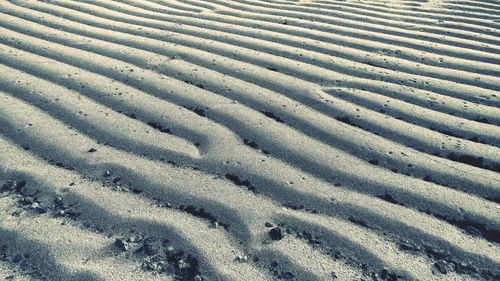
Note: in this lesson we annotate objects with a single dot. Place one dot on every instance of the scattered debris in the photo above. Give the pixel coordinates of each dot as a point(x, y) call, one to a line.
point(171, 261)
point(15, 186)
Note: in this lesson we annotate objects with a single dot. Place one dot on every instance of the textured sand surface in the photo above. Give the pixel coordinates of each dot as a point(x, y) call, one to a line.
point(249, 140)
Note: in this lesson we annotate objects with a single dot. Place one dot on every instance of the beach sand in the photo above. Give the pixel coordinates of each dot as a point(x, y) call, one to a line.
point(249, 140)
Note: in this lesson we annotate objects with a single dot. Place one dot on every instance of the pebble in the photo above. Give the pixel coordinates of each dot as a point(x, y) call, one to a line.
point(135, 239)
point(385, 273)
point(242, 258)
point(170, 250)
point(268, 224)
point(122, 245)
point(34, 205)
point(58, 200)
point(183, 265)
point(276, 233)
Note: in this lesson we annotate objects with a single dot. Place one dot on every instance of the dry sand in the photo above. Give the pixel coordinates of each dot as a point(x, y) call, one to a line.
point(249, 140)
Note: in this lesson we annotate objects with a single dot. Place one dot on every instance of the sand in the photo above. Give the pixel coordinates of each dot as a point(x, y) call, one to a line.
point(249, 140)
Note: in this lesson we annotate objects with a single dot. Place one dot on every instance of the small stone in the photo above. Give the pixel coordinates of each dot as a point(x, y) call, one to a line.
point(58, 201)
point(34, 205)
point(152, 265)
point(268, 224)
point(135, 238)
point(214, 224)
point(92, 150)
point(242, 258)
point(170, 250)
point(122, 245)
point(183, 265)
point(276, 233)
point(385, 273)
point(198, 278)
point(334, 275)
point(107, 173)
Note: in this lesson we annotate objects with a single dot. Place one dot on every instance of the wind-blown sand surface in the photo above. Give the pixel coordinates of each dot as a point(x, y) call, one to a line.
point(249, 140)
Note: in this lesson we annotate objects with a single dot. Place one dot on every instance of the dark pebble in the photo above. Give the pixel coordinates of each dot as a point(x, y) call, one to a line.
point(385, 273)
point(58, 201)
point(287, 275)
point(276, 233)
point(92, 150)
point(122, 245)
